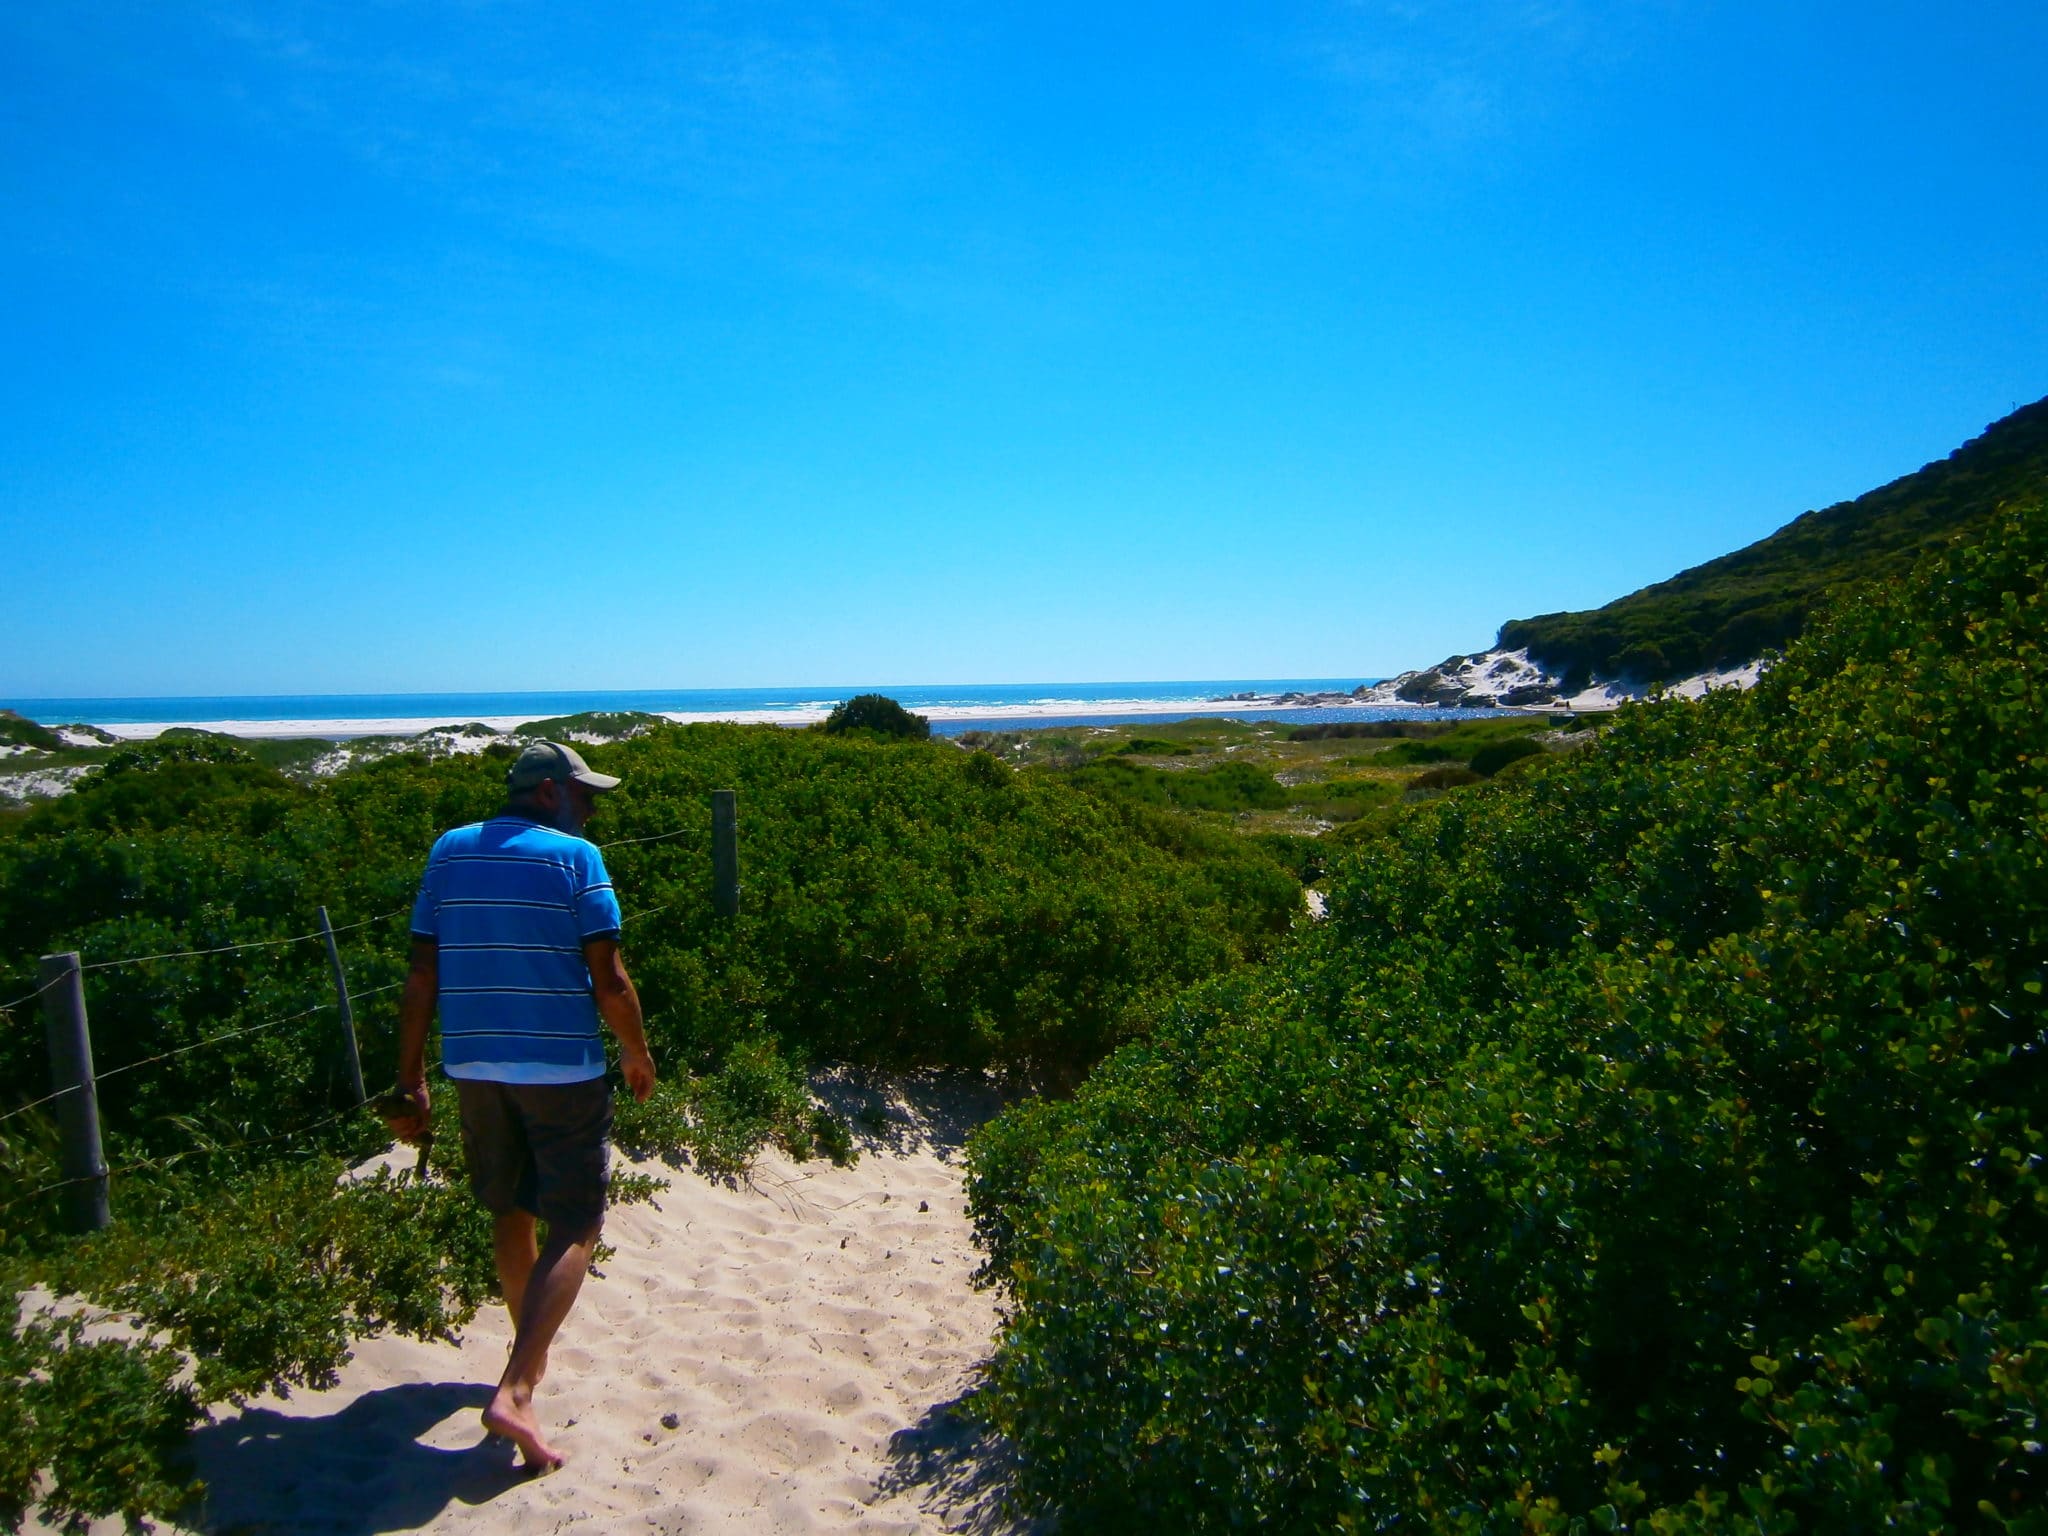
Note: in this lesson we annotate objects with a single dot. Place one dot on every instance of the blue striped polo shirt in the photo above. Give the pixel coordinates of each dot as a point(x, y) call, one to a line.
point(509, 902)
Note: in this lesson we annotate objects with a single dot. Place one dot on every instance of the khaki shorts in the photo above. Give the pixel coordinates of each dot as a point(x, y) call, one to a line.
point(540, 1148)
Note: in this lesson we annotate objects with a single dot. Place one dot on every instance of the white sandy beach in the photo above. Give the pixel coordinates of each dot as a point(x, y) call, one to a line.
point(1043, 709)
point(779, 1355)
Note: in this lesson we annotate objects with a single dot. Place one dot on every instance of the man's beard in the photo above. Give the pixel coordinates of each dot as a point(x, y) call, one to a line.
point(568, 816)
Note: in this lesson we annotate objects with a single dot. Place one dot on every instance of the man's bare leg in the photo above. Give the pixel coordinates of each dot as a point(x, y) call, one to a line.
point(550, 1292)
point(512, 1245)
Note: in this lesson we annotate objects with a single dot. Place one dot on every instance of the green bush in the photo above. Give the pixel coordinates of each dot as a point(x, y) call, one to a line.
point(1226, 787)
point(1351, 730)
point(105, 1421)
point(1653, 1144)
point(1644, 662)
point(1493, 757)
point(1449, 776)
point(1343, 800)
point(17, 731)
point(1406, 754)
point(875, 712)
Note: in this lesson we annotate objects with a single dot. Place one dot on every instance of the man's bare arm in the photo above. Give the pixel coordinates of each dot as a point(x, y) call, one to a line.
point(415, 1015)
point(620, 1006)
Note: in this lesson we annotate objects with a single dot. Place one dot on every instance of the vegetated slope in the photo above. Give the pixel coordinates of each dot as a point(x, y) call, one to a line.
point(15, 731)
point(909, 904)
point(904, 903)
point(1731, 610)
point(1655, 1141)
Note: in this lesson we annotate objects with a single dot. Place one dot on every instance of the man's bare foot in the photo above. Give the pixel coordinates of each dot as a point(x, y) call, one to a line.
point(540, 1371)
point(513, 1419)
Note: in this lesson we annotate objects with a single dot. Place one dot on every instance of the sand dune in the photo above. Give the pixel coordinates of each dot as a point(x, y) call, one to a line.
point(780, 1354)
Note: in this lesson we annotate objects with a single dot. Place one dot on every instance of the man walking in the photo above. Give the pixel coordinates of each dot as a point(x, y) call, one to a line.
point(515, 937)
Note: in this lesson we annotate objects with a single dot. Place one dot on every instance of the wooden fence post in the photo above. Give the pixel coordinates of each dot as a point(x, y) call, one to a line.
point(725, 852)
point(78, 1109)
point(351, 1061)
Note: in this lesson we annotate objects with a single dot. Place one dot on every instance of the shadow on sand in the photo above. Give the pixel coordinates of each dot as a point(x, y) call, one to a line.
point(357, 1472)
point(901, 1113)
point(959, 1471)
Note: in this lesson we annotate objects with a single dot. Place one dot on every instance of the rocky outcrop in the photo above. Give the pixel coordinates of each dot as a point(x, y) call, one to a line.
point(1511, 680)
point(1481, 680)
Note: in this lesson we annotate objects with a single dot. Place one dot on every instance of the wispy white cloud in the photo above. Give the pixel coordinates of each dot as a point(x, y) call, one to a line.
point(1421, 78)
point(512, 102)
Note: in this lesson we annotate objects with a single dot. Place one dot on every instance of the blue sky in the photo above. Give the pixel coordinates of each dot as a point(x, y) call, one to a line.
point(388, 346)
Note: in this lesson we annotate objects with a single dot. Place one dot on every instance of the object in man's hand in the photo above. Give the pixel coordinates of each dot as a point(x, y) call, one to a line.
point(401, 1112)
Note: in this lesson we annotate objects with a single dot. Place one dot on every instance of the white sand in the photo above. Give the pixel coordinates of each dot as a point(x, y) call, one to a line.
point(1040, 709)
point(41, 783)
point(776, 1356)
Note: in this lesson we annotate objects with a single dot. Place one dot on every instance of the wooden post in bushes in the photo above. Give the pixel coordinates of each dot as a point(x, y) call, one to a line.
point(725, 852)
point(77, 1106)
point(351, 1062)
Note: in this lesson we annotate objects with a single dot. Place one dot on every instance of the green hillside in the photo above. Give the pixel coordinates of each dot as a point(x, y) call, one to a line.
point(1731, 610)
point(1651, 1143)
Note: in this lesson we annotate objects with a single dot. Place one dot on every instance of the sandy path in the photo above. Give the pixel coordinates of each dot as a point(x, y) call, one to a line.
point(778, 1355)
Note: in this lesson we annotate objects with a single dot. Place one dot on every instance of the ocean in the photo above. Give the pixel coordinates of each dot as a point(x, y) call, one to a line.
point(953, 707)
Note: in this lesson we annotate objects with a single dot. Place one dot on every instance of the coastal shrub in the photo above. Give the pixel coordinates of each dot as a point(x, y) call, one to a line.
point(16, 731)
point(264, 1280)
point(1342, 800)
point(1406, 754)
point(612, 724)
point(1227, 787)
point(903, 903)
point(1366, 730)
point(1448, 776)
point(1654, 1144)
point(102, 1421)
point(875, 712)
point(257, 1283)
point(756, 1095)
point(912, 904)
point(1493, 757)
point(1644, 662)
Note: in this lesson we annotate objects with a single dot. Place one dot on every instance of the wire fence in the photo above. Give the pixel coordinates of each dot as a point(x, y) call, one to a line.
point(100, 1076)
point(658, 837)
point(36, 992)
point(171, 1160)
point(29, 997)
point(250, 1029)
point(226, 949)
point(322, 934)
point(22, 1109)
point(160, 1164)
point(166, 1161)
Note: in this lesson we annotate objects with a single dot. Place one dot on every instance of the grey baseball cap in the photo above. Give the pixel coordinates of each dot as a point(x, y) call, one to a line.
point(546, 760)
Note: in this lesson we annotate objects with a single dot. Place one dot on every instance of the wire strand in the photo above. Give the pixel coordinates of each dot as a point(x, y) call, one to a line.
point(200, 1045)
point(232, 1034)
point(659, 837)
point(186, 954)
point(31, 996)
point(83, 1178)
point(22, 1109)
point(160, 1164)
point(634, 917)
